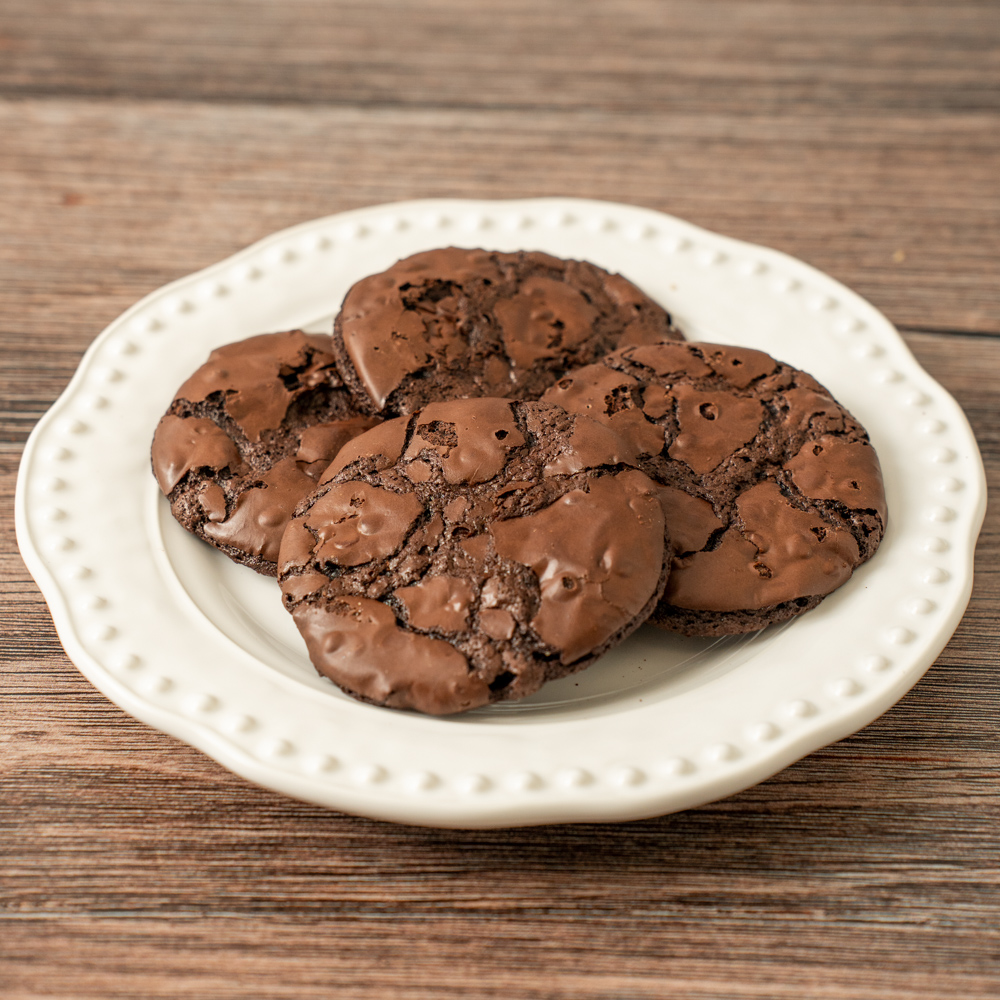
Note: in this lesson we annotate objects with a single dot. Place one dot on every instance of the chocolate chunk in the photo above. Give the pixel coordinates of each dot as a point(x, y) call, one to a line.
point(355, 522)
point(472, 443)
point(363, 638)
point(770, 489)
point(259, 514)
point(591, 571)
point(440, 602)
point(711, 426)
point(522, 575)
point(774, 554)
point(834, 468)
point(451, 323)
point(182, 445)
point(248, 435)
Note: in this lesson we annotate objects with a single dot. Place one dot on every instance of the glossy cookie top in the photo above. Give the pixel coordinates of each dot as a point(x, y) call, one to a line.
point(451, 323)
point(471, 551)
point(771, 490)
point(248, 435)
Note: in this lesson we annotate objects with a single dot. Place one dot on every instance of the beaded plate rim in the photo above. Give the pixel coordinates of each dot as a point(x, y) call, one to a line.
point(255, 730)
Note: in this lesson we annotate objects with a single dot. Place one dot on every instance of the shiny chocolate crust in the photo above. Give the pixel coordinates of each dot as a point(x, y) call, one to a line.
point(452, 323)
point(471, 551)
point(771, 490)
point(247, 437)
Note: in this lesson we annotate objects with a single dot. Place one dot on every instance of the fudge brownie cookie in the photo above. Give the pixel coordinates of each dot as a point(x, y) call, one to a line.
point(451, 323)
point(248, 435)
point(470, 552)
point(771, 490)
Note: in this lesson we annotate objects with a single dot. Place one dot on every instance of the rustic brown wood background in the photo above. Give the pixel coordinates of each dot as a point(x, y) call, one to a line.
point(141, 140)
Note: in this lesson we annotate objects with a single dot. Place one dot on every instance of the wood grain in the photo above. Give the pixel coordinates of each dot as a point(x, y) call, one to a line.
point(115, 196)
point(142, 141)
point(736, 56)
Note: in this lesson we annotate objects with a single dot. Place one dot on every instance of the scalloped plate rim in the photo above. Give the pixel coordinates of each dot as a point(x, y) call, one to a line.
point(468, 811)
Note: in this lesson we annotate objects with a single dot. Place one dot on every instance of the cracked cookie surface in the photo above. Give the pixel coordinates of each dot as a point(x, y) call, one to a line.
point(248, 435)
point(771, 490)
point(471, 551)
point(453, 323)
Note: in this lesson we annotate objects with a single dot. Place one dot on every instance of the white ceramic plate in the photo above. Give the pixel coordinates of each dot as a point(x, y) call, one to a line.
point(183, 639)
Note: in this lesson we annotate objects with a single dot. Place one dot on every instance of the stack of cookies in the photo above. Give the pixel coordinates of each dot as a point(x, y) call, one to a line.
point(501, 464)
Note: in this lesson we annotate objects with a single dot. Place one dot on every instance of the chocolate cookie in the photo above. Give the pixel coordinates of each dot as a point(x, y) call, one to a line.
point(247, 437)
point(771, 490)
point(470, 552)
point(450, 323)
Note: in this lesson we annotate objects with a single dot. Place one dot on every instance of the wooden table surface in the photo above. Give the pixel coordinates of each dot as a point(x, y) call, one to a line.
point(140, 141)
